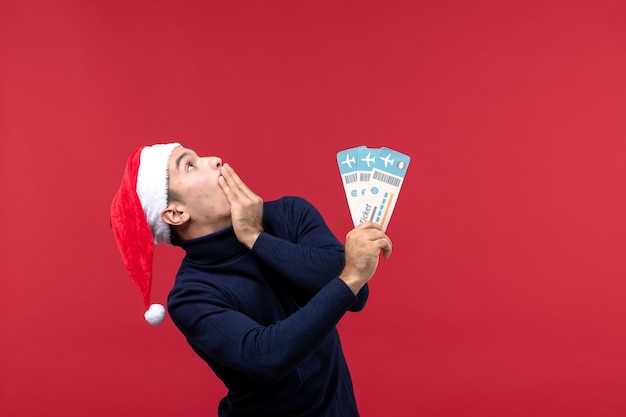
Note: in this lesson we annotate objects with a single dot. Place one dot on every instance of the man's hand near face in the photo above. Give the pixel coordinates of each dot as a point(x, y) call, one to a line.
point(246, 207)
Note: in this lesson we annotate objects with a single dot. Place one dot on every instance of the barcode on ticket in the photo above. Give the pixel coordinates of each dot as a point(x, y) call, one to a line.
point(387, 178)
point(372, 180)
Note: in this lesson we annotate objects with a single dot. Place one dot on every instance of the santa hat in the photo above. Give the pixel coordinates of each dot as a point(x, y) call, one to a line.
point(136, 217)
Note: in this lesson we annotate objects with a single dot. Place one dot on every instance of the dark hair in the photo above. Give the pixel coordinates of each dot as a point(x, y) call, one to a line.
point(174, 236)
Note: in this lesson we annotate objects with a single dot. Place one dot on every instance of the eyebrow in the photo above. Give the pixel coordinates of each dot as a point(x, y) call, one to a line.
point(180, 157)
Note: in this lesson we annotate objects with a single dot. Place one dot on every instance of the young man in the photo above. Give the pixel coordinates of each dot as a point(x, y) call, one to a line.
point(262, 286)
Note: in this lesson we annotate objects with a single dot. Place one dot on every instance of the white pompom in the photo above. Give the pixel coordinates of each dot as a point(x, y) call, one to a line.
point(155, 314)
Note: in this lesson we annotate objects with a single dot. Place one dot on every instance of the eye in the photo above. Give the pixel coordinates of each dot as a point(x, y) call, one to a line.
point(189, 167)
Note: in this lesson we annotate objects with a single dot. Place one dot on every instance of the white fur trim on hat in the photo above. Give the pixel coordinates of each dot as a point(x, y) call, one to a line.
point(152, 185)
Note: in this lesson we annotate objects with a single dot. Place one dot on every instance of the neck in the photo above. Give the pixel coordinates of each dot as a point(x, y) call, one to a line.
point(193, 230)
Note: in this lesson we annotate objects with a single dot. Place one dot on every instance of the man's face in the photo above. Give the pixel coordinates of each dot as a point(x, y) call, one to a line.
point(194, 180)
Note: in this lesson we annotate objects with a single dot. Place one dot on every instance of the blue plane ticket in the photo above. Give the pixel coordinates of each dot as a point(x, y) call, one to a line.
point(347, 162)
point(387, 176)
point(365, 164)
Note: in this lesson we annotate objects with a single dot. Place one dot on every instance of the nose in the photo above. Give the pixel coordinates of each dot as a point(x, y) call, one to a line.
point(213, 162)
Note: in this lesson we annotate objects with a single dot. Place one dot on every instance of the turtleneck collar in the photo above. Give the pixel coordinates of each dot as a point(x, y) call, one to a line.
point(214, 248)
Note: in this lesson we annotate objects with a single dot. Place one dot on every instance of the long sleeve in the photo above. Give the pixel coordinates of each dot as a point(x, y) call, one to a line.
point(300, 247)
point(234, 341)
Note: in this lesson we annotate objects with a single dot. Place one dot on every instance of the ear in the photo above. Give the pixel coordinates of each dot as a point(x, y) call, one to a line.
point(175, 214)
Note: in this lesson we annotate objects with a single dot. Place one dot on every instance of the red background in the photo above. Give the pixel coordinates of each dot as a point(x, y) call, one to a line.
point(504, 294)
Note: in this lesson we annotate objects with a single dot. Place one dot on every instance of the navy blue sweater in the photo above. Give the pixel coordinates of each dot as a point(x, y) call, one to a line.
point(264, 319)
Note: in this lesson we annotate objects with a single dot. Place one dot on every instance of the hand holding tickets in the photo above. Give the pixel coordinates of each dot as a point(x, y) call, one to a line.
point(372, 179)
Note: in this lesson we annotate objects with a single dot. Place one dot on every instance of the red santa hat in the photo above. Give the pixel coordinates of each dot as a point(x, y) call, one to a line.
point(136, 218)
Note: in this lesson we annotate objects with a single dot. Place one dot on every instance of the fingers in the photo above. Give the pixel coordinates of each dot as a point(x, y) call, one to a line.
point(246, 208)
point(377, 236)
point(385, 245)
point(231, 180)
point(228, 191)
point(386, 248)
point(233, 186)
point(363, 246)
